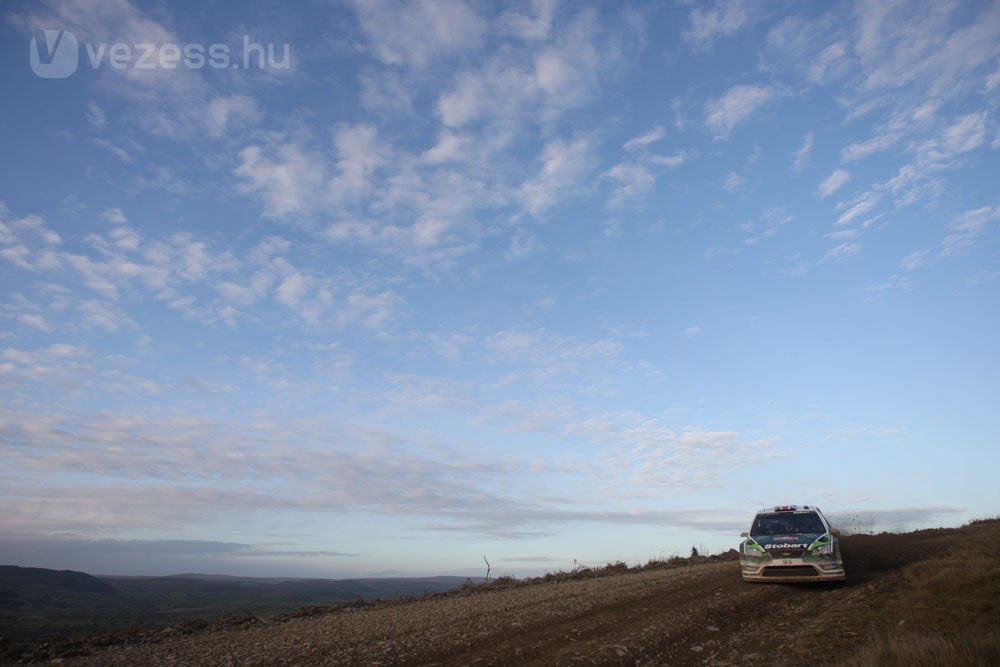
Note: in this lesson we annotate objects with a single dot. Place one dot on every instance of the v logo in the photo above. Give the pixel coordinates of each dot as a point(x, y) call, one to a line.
point(58, 57)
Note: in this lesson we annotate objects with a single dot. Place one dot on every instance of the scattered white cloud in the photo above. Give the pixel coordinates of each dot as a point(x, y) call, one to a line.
point(723, 19)
point(734, 182)
point(803, 152)
point(231, 111)
point(834, 182)
point(766, 226)
point(536, 24)
point(632, 179)
point(288, 181)
point(668, 161)
point(738, 104)
point(642, 141)
point(34, 321)
point(875, 294)
point(417, 33)
point(843, 250)
point(113, 149)
point(827, 61)
point(966, 229)
point(860, 150)
point(564, 165)
point(514, 86)
point(114, 216)
point(966, 134)
point(96, 116)
point(359, 154)
point(861, 205)
point(914, 260)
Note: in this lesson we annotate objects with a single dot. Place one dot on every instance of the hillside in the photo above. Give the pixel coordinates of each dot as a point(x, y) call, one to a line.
point(37, 603)
point(15, 580)
point(927, 597)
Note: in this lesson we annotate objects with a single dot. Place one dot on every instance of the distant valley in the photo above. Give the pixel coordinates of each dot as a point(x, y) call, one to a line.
point(38, 603)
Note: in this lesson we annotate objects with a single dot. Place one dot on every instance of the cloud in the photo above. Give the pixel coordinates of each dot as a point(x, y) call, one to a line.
point(642, 141)
point(288, 181)
point(417, 32)
point(912, 62)
point(966, 134)
point(34, 321)
point(646, 454)
point(965, 230)
point(859, 150)
point(564, 165)
point(738, 104)
point(836, 180)
point(114, 149)
point(228, 111)
point(99, 315)
point(181, 469)
point(150, 557)
point(632, 179)
point(96, 116)
point(723, 19)
point(636, 174)
point(766, 226)
point(843, 251)
point(114, 216)
point(826, 61)
point(359, 154)
point(901, 43)
point(26, 229)
point(534, 25)
point(516, 86)
point(861, 205)
point(876, 293)
point(914, 260)
point(734, 182)
point(802, 153)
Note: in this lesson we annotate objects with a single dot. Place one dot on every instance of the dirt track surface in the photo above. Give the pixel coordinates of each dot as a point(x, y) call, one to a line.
point(698, 615)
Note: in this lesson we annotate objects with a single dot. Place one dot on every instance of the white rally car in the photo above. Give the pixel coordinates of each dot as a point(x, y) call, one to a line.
point(791, 543)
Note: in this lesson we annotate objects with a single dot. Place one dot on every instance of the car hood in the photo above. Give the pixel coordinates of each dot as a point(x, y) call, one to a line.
point(786, 545)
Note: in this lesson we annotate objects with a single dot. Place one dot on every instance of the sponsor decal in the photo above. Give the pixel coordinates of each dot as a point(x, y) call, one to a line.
point(786, 546)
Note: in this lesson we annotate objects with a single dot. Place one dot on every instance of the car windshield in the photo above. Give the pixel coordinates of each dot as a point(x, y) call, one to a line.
point(787, 524)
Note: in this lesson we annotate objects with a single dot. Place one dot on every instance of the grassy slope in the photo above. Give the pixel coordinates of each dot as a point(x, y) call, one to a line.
point(944, 611)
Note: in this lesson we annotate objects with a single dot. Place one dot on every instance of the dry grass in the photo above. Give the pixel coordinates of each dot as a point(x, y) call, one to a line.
point(946, 611)
point(913, 651)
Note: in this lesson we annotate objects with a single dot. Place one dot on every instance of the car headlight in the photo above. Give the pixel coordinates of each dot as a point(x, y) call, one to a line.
point(752, 550)
point(823, 550)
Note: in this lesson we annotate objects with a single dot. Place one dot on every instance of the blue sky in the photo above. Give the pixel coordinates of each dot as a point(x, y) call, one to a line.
point(539, 281)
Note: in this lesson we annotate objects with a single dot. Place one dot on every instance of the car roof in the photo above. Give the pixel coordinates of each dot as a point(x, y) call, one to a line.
point(792, 509)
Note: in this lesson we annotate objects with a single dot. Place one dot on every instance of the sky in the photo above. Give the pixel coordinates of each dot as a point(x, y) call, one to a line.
point(352, 288)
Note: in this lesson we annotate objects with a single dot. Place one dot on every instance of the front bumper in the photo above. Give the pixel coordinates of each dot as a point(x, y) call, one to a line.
point(786, 570)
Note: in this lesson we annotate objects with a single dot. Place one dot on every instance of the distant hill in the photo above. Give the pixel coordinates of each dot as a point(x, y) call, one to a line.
point(14, 579)
point(39, 603)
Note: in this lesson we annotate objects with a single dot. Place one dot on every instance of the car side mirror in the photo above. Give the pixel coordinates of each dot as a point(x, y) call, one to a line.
point(835, 532)
point(744, 534)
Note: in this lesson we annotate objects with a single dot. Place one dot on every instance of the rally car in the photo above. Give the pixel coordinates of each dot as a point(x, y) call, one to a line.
point(791, 543)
